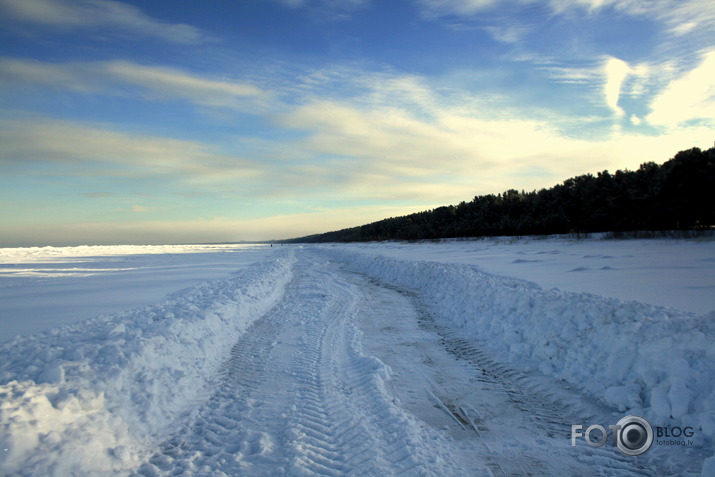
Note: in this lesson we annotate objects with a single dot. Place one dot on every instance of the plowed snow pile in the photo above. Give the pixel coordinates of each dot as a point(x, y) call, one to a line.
point(642, 359)
point(94, 394)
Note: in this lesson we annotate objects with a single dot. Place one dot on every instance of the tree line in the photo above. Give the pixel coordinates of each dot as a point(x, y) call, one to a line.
point(677, 195)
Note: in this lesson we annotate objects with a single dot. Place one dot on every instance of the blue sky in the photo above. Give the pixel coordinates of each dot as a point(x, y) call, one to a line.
point(227, 120)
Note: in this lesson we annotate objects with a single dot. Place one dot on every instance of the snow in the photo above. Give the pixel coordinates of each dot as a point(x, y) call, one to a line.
point(675, 273)
point(369, 359)
point(634, 356)
point(43, 287)
point(88, 396)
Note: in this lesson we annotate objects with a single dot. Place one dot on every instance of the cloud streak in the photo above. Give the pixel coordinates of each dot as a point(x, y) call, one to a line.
point(679, 17)
point(78, 149)
point(327, 9)
point(98, 14)
point(113, 77)
point(437, 8)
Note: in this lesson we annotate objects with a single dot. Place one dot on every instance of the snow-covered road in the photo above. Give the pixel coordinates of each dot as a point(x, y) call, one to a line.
point(299, 396)
point(347, 375)
point(319, 361)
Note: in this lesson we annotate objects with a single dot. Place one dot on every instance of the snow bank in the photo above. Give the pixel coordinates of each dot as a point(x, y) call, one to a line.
point(91, 397)
point(676, 273)
point(642, 359)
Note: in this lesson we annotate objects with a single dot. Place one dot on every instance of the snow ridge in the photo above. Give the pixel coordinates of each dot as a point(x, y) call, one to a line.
point(99, 393)
point(641, 359)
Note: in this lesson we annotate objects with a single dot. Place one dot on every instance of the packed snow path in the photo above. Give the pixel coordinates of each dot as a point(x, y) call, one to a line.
point(349, 376)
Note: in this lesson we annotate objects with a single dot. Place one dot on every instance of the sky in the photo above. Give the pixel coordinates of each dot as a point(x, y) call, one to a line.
point(176, 121)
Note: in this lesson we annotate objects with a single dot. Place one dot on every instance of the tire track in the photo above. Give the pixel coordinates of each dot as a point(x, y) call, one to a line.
point(214, 437)
point(499, 405)
point(344, 424)
point(297, 396)
point(535, 398)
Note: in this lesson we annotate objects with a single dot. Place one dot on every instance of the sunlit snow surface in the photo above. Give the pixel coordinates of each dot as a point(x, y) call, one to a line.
point(674, 273)
point(43, 287)
point(363, 358)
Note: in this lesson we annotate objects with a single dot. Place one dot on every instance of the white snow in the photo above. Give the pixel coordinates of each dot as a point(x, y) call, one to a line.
point(44, 287)
point(90, 396)
point(642, 359)
point(676, 273)
point(227, 360)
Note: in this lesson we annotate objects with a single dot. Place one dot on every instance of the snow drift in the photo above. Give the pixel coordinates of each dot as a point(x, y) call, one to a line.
point(91, 397)
point(642, 359)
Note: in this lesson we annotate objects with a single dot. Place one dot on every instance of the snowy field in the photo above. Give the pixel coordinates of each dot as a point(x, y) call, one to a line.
point(459, 358)
point(41, 288)
point(674, 273)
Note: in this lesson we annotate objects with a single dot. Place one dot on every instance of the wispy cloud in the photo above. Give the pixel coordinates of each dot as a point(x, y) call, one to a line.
point(78, 77)
point(678, 16)
point(507, 34)
point(173, 83)
point(84, 14)
point(78, 149)
point(113, 77)
point(674, 92)
point(453, 145)
point(423, 138)
point(336, 4)
point(437, 8)
point(327, 9)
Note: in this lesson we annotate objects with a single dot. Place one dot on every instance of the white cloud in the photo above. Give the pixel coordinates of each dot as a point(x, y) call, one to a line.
point(327, 9)
point(112, 77)
point(78, 149)
point(455, 7)
point(175, 83)
point(507, 34)
point(452, 145)
point(449, 156)
point(640, 77)
point(684, 17)
point(79, 77)
point(680, 17)
point(615, 72)
point(336, 4)
point(584, 75)
point(73, 14)
point(689, 97)
point(560, 6)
